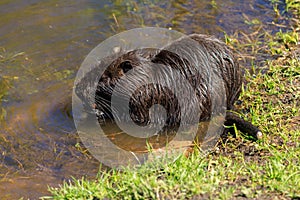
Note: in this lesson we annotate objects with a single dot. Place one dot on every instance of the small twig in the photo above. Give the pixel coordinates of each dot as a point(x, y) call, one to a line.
point(116, 21)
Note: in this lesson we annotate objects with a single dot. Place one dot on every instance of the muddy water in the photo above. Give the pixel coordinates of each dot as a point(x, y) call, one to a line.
point(42, 46)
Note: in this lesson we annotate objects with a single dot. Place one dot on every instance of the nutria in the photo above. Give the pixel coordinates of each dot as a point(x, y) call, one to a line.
point(206, 63)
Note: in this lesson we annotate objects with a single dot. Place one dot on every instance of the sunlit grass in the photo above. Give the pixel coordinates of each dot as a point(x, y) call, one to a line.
point(293, 5)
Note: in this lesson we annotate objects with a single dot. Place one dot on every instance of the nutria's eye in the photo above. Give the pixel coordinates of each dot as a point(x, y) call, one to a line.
point(104, 78)
point(126, 66)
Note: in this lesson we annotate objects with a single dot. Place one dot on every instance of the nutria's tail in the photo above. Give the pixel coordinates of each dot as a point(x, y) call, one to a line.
point(242, 125)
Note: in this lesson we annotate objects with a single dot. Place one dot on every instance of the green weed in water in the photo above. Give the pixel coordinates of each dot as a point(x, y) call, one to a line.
point(4, 87)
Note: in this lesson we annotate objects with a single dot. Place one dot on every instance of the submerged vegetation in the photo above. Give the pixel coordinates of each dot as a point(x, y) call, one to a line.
point(237, 167)
point(6, 58)
point(3, 91)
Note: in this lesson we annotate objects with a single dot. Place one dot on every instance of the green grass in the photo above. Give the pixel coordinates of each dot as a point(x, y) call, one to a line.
point(293, 5)
point(238, 167)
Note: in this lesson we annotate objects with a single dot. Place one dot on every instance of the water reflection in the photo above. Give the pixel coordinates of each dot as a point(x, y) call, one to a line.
point(38, 140)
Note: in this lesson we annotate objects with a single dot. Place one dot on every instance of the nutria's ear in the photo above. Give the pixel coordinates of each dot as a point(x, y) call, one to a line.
point(126, 66)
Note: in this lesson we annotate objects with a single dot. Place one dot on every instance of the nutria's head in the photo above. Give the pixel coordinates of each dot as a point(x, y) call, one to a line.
point(134, 69)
